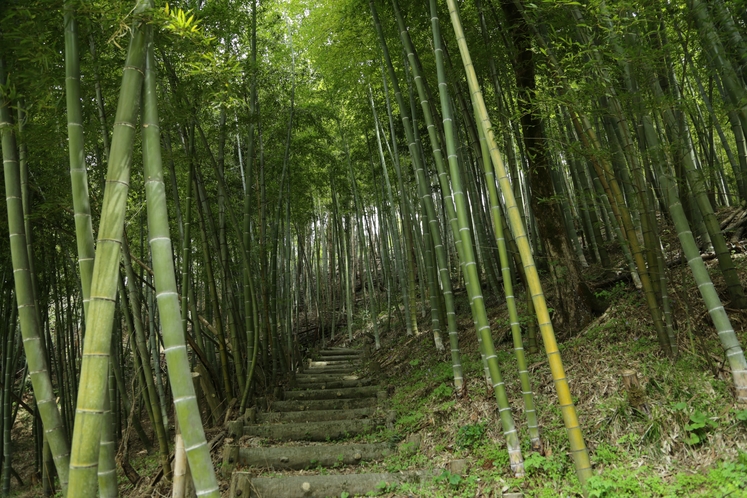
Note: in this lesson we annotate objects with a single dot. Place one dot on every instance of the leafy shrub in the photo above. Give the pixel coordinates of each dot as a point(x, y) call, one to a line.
point(552, 467)
point(453, 480)
point(442, 392)
point(699, 425)
point(470, 436)
point(605, 454)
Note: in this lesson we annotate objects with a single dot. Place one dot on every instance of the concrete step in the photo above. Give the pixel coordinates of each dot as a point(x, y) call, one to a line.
point(301, 378)
point(341, 393)
point(332, 384)
point(355, 358)
point(322, 404)
point(341, 352)
point(312, 431)
point(335, 370)
point(243, 485)
point(305, 457)
point(314, 415)
point(331, 364)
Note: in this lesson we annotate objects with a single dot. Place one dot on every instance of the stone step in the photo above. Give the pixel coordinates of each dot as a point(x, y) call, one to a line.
point(243, 485)
point(322, 404)
point(341, 393)
point(342, 352)
point(333, 384)
point(333, 364)
point(314, 415)
point(304, 457)
point(339, 370)
point(312, 431)
point(302, 378)
point(355, 358)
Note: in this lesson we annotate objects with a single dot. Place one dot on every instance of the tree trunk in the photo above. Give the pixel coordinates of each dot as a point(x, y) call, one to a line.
point(573, 298)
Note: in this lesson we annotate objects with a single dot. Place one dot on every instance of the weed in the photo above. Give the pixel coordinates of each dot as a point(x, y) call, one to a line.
point(605, 454)
point(470, 435)
point(442, 392)
point(410, 421)
point(629, 441)
point(730, 478)
point(384, 487)
point(453, 480)
point(552, 467)
point(495, 454)
point(699, 425)
point(612, 294)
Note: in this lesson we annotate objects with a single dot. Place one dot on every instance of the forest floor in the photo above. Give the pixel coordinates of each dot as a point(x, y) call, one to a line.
point(688, 438)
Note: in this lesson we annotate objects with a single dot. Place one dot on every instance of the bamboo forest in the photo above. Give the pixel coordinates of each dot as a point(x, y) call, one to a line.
point(399, 248)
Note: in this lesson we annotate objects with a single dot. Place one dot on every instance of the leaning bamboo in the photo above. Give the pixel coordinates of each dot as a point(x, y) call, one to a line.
point(474, 289)
point(577, 445)
point(724, 328)
point(29, 319)
point(97, 345)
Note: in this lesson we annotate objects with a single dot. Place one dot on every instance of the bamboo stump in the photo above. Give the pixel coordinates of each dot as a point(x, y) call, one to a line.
point(636, 395)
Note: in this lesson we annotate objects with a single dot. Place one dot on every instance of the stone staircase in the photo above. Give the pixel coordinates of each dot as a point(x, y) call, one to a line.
point(330, 400)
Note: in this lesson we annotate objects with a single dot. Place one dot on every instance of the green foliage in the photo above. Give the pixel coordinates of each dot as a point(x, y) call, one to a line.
point(615, 483)
point(442, 392)
point(470, 436)
point(177, 22)
point(495, 454)
point(383, 487)
point(410, 421)
point(730, 478)
point(612, 294)
point(726, 479)
point(446, 477)
point(403, 461)
point(699, 425)
point(552, 467)
point(605, 454)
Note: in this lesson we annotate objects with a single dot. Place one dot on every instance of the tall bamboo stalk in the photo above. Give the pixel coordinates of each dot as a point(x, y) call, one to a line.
point(185, 402)
point(727, 336)
point(430, 210)
point(33, 342)
point(97, 345)
point(577, 445)
point(474, 289)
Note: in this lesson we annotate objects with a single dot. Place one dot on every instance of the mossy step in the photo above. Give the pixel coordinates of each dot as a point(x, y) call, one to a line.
point(243, 485)
point(334, 363)
point(340, 393)
point(332, 370)
point(322, 404)
point(333, 384)
point(302, 378)
point(342, 352)
point(304, 457)
point(333, 357)
point(314, 415)
point(312, 431)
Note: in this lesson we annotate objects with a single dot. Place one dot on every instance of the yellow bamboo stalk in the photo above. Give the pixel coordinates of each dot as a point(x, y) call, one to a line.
point(570, 418)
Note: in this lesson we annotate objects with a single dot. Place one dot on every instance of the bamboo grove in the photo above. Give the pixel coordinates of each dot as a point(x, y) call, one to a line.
point(199, 191)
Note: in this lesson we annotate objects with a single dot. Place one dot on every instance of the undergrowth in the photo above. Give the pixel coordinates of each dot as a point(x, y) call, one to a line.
point(687, 438)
